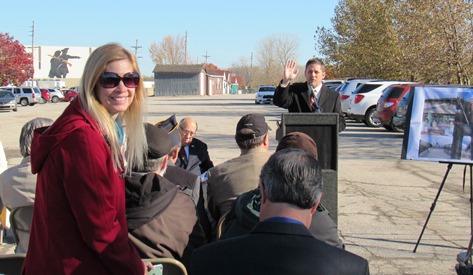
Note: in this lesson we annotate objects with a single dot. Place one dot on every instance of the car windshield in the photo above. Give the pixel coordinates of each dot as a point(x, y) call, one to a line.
point(5, 94)
point(267, 89)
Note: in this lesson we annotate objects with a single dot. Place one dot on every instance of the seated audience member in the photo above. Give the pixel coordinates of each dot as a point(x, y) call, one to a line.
point(245, 212)
point(236, 176)
point(194, 155)
point(18, 184)
point(291, 188)
point(161, 216)
point(183, 177)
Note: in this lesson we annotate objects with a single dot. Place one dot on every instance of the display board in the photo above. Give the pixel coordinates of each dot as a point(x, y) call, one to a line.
point(439, 124)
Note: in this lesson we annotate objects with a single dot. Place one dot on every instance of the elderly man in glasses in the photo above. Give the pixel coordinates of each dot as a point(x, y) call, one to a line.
point(193, 155)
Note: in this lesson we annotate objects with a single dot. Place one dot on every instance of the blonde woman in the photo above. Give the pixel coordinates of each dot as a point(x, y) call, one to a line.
point(79, 224)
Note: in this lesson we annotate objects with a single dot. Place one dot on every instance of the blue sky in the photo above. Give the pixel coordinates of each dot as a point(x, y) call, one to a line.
point(226, 30)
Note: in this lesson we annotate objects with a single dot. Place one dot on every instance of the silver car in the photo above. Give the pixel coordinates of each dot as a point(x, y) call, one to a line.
point(7, 101)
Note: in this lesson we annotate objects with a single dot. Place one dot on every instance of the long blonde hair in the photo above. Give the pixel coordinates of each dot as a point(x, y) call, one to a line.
point(135, 142)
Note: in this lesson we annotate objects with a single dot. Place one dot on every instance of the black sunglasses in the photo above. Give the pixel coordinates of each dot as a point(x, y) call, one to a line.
point(111, 80)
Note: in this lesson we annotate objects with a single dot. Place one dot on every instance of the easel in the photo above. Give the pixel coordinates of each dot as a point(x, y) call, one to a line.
point(449, 167)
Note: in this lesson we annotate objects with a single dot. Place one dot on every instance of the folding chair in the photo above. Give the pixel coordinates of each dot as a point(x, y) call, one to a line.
point(11, 263)
point(167, 266)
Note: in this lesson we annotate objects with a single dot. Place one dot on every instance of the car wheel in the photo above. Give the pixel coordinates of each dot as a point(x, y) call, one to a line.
point(55, 99)
point(16, 109)
point(395, 128)
point(24, 102)
point(370, 120)
point(42, 100)
point(256, 102)
point(388, 127)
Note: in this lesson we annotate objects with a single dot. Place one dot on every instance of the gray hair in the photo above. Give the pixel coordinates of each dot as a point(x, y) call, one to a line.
point(153, 165)
point(251, 143)
point(27, 132)
point(292, 176)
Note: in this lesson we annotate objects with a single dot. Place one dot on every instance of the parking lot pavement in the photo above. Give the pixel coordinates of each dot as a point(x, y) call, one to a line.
point(383, 200)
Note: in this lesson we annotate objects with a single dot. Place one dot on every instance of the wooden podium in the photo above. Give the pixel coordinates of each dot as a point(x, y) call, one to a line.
point(323, 128)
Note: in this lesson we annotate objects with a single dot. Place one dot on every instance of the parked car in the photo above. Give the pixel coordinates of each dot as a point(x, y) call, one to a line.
point(7, 101)
point(45, 96)
point(265, 94)
point(69, 95)
point(399, 117)
point(334, 84)
point(387, 104)
point(364, 99)
point(56, 95)
point(347, 89)
point(25, 95)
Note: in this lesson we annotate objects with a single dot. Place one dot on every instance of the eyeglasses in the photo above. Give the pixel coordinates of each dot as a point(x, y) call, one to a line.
point(185, 133)
point(111, 80)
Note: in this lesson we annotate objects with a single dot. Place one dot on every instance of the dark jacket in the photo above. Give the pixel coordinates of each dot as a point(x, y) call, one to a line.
point(162, 219)
point(79, 224)
point(191, 181)
point(296, 98)
point(244, 215)
point(199, 159)
point(275, 248)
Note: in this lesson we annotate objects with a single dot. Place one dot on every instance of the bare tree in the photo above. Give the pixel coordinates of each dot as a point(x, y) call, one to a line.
point(245, 68)
point(171, 51)
point(272, 54)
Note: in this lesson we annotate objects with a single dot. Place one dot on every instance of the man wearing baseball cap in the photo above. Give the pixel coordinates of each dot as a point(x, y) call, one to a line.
point(236, 176)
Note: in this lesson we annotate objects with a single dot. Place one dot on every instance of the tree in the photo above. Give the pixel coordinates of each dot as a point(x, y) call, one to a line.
point(419, 40)
point(246, 69)
point(171, 51)
point(273, 53)
point(16, 66)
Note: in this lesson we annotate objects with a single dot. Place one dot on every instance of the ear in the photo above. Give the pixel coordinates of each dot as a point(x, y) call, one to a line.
point(314, 208)
point(175, 154)
point(266, 140)
point(165, 163)
point(261, 191)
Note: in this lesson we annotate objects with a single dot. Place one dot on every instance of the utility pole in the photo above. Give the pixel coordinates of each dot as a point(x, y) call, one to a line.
point(136, 47)
point(32, 52)
point(206, 56)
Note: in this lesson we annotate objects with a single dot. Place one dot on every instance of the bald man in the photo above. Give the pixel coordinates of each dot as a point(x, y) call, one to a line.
point(193, 156)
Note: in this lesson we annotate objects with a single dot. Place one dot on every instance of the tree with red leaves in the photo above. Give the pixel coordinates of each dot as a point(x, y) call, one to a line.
point(16, 65)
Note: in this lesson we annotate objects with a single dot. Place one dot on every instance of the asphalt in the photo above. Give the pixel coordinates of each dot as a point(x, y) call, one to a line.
point(383, 201)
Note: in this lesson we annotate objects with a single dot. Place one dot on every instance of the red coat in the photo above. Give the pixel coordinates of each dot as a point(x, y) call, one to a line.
point(79, 223)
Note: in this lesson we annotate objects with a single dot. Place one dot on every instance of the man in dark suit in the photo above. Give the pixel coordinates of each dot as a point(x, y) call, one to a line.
point(193, 155)
point(310, 96)
point(291, 187)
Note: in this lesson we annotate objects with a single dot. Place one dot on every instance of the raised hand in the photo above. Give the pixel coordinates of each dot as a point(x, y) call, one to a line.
point(290, 71)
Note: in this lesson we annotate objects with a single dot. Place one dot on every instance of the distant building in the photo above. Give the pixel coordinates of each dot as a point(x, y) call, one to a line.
point(195, 79)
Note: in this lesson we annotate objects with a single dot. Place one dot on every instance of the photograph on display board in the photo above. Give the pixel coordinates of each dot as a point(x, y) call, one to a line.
point(440, 124)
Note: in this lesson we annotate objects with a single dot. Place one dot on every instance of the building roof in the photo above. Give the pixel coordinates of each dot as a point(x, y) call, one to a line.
point(194, 68)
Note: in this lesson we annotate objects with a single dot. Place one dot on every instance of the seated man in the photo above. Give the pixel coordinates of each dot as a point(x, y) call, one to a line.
point(245, 212)
point(232, 178)
point(183, 177)
point(194, 155)
point(18, 184)
point(291, 188)
point(161, 216)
